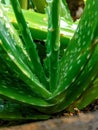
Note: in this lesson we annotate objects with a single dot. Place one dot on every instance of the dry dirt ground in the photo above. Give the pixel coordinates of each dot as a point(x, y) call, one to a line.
point(83, 121)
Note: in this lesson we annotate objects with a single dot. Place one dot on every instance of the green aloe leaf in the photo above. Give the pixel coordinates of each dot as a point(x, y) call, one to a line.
point(11, 47)
point(65, 13)
point(79, 49)
point(89, 95)
point(40, 5)
point(24, 4)
point(38, 25)
point(16, 89)
point(78, 53)
point(29, 44)
point(53, 42)
point(81, 84)
point(12, 111)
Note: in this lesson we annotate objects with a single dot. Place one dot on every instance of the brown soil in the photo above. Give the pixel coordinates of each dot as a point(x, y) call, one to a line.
point(82, 122)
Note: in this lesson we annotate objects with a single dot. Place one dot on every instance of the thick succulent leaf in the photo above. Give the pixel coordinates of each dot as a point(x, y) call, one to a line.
point(14, 88)
point(83, 63)
point(81, 85)
point(19, 76)
point(78, 87)
point(12, 49)
point(38, 25)
point(53, 42)
point(80, 48)
point(65, 13)
point(40, 5)
point(89, 95)
point(24, 5)
point(29, 44)
point(14, 92)
point(11, 111)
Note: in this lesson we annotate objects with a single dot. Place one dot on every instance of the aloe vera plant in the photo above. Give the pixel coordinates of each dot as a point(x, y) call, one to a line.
point(31, 89)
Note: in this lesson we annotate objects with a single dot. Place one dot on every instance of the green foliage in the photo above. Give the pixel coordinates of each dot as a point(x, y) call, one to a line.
point(33, 86)
point(24, 5)
point(7, 2)
point(40, 5)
